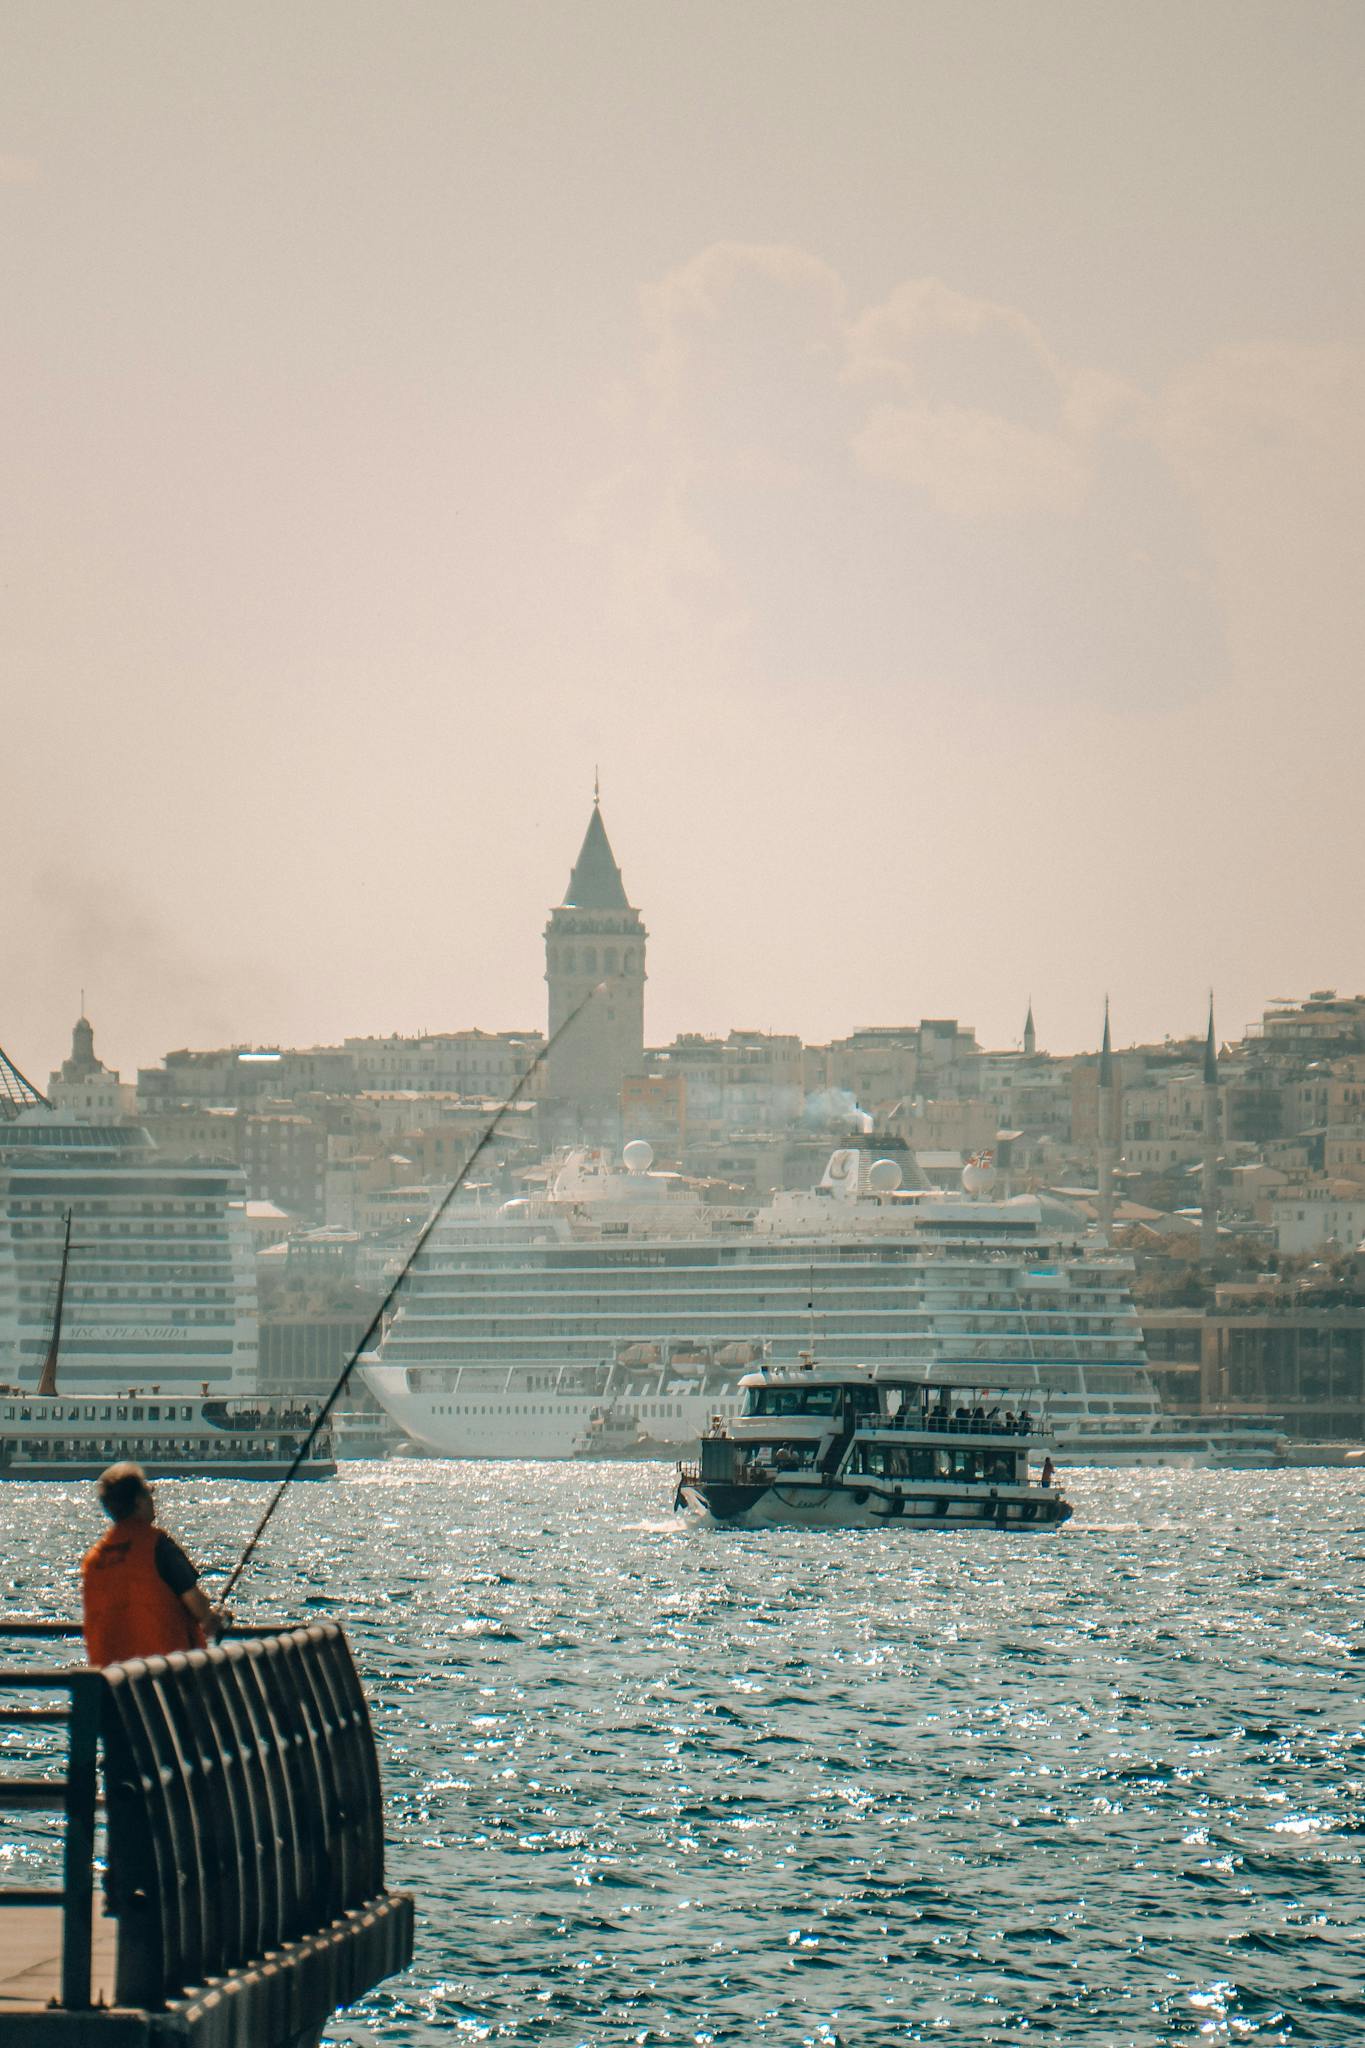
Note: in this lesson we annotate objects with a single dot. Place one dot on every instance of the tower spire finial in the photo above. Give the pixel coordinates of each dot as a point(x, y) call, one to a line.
point(596, 783)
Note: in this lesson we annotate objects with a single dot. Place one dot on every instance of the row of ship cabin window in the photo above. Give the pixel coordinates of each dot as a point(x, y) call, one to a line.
point(73, 1414)
point(543, 1408)
point(904, 1461)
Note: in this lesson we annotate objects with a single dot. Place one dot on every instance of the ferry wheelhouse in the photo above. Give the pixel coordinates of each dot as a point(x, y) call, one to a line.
point(844, 1446)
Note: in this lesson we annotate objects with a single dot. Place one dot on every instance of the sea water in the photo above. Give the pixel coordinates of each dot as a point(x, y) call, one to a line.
point(655, 1782)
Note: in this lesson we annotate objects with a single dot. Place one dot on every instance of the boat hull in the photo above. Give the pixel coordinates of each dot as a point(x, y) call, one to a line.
point(843, 1506)
point(510, 1420)
point(69, 1469)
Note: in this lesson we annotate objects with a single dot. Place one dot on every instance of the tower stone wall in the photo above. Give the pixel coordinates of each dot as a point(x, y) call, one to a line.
point(595, 940)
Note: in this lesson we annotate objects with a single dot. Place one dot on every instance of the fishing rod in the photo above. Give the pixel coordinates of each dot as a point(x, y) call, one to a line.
point(376, 1320)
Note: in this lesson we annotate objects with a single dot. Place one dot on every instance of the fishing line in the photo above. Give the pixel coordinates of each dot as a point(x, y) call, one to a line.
point(376, 1320)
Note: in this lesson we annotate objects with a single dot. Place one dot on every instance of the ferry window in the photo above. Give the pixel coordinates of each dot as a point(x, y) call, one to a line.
point(795, 1400)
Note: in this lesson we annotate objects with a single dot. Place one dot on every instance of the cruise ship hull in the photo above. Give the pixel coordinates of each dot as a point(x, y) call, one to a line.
point(509, 1421)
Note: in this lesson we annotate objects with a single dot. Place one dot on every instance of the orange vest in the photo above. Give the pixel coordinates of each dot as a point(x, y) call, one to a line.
point(130, 1611)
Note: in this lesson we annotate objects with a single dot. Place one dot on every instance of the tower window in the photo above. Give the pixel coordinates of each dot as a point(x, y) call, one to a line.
point(568, 960)
point(628, 961)
point(609, 959)
point(590, 959)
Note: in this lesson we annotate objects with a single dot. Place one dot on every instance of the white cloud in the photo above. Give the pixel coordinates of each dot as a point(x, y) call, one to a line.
point(882, 339)
point(921, 487)
point(1269, 441)
point(973, 464)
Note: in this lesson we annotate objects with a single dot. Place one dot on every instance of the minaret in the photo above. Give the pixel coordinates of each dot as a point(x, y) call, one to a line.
point(595, 940)
point(1208, 1214)
point(1106, 1132)
point(1030, 1035)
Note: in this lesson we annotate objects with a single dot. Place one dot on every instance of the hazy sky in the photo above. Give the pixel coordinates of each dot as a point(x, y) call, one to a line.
point(917, 449)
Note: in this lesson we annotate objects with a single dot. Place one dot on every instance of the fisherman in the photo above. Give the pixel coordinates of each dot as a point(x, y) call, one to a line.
point(141, 1594)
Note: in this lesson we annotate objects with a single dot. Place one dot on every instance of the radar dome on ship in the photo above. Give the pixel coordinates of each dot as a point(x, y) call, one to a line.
point(884, 1176)
point(638, 1156)
point(978, 1176)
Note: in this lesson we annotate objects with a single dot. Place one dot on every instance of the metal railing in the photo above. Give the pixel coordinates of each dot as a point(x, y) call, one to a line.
point(243, 1811)
point(73, 1796)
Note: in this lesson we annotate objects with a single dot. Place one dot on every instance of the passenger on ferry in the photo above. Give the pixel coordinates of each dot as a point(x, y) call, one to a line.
point(1048, 1469)
point(140, 1593)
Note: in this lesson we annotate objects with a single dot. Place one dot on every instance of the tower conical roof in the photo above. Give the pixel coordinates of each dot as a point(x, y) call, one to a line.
point(17, 1093)
point(595, 883)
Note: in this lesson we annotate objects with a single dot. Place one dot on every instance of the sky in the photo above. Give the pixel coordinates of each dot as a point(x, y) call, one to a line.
point(914, 452)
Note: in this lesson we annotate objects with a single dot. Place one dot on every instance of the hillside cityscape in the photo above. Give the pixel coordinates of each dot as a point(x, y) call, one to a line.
point(1233, 1170)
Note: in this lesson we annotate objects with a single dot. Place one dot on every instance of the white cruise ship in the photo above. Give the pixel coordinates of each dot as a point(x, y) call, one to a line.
point(161, 1293)
point(619, 1295)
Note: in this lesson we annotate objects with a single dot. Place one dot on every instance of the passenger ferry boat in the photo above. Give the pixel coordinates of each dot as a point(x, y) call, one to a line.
point(56, 1436)
point(846, 1447)
point(621, 1288)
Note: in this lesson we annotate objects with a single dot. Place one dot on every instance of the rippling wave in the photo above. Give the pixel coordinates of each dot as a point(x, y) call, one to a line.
point(657, 1783)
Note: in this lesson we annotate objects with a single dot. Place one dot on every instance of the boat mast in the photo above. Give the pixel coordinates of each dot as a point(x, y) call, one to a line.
point(47, 1383)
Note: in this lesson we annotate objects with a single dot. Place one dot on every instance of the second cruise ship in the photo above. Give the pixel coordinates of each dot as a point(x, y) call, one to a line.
point(619, 1300)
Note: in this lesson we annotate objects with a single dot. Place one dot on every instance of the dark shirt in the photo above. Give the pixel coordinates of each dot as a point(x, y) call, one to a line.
point(173, 1565)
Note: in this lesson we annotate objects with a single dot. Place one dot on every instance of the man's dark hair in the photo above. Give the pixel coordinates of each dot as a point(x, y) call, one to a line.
point(120, 1490)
